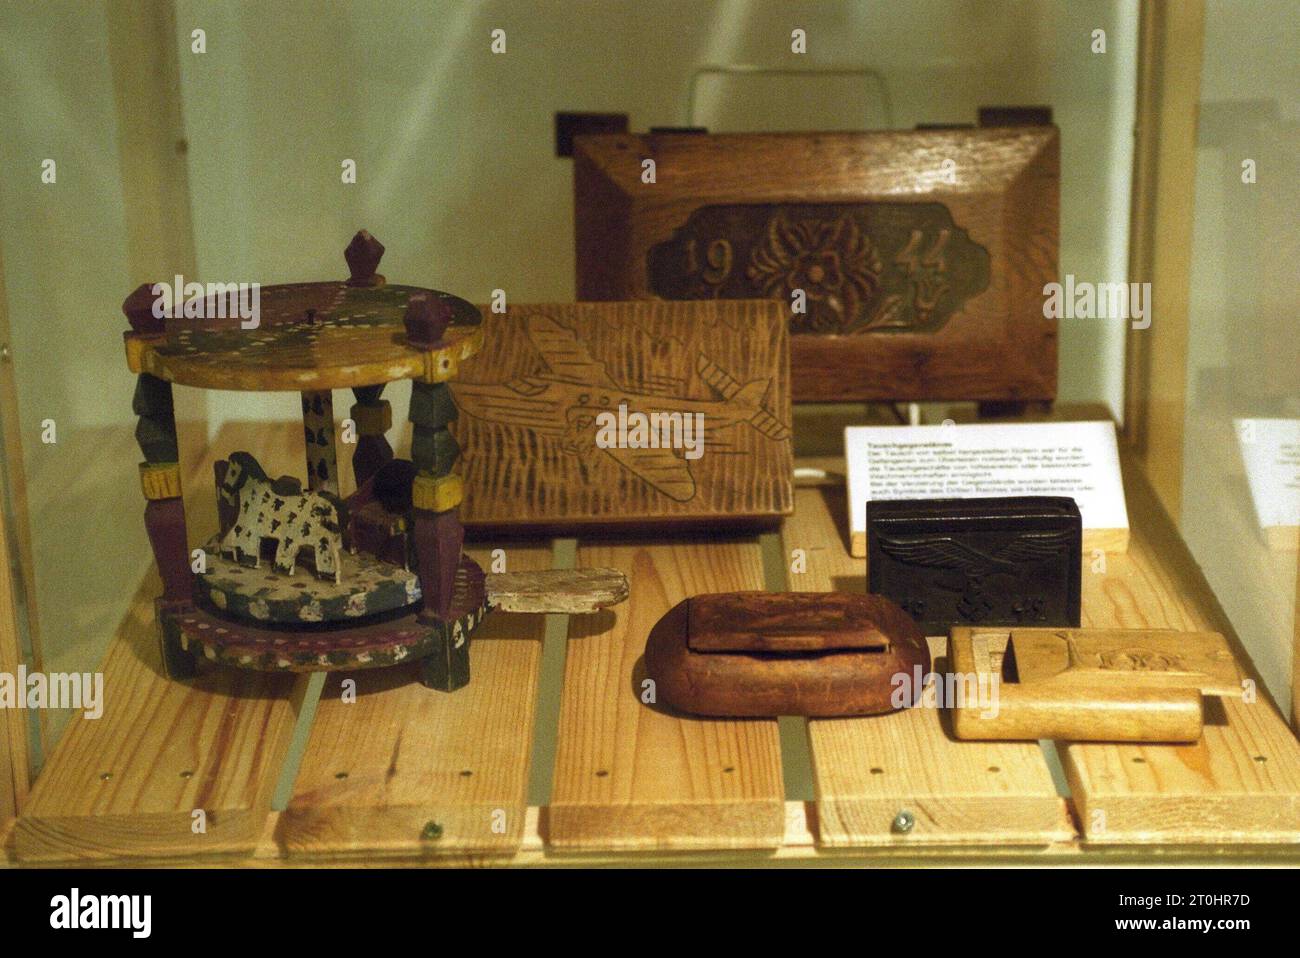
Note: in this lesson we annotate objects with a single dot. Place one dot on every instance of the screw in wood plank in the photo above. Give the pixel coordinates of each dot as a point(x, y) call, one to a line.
point(903, 823)
point(431, 831)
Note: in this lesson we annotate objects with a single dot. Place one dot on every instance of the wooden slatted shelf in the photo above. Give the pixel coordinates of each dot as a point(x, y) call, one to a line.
point(403, 770)
point(867, 770)
point(1240, 783)
point(632, 782)
point(629, 776)
point(129, 783)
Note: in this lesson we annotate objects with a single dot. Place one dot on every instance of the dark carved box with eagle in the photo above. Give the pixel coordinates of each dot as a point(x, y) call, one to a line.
point(910, 264)
point(989, 562)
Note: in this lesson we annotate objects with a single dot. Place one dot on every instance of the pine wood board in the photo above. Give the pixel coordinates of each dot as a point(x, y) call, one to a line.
point(632, 777)
point(867, 770)
point(126, 785)
point(6, 841)
point(797, 850)
point(536, 451)
point(1171, 37)
point(1241, 782)
point(377, 770)
point(14, 766)
point(169, 748)
point(1154, 581)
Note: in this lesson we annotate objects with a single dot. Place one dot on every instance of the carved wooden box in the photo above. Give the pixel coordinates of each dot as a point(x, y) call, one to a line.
point(619, 414)
point(1010, 561)
point(911, 265)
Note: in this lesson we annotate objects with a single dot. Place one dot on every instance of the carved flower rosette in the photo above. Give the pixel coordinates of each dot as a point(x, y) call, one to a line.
point(831, 261)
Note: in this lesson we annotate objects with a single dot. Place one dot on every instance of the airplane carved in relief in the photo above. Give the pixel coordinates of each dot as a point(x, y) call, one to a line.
point(571, 400)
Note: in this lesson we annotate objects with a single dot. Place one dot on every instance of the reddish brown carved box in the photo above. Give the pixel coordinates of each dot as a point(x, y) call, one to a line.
point(913, 263)
point(818, 654)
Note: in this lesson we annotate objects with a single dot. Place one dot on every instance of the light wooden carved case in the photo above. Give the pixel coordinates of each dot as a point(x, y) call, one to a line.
point(1087, 685)
point(532, 409)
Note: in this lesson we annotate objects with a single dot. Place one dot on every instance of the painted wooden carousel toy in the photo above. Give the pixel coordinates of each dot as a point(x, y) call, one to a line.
point(298, 579)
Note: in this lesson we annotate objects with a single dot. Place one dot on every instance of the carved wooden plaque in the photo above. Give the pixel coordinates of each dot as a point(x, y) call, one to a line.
point(909, 265)
point(625, 414)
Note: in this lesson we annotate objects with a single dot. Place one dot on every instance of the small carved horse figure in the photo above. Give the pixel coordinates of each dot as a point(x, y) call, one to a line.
point(254, 508)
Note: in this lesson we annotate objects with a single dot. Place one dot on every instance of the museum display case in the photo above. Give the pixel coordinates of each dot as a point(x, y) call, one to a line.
point(974, 316)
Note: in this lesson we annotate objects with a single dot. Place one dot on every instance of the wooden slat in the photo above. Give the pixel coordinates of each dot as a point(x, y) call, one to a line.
point(1160, 249)
point(629, 776)
point(867, 770)
point(6, 841)
point(16, 556)
point(378, 770)
point(14, 770)
point(1241, 782)
point(125, 785)
point(1295, 654)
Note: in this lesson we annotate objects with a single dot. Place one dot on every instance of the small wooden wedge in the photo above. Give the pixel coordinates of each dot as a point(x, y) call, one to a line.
point(575, 591)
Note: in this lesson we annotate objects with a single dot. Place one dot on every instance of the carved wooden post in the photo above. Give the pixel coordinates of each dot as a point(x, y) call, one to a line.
point(160, 480)
point(322, 457)
point(373, 417)
point(363, 255)
point(435, 494)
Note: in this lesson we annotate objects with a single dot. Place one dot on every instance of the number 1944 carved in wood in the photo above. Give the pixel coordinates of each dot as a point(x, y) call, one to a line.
point(860, 267)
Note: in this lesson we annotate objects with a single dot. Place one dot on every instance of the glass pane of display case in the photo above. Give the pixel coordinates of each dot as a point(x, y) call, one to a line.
point(457, 432)
point(453, 147)
point(1241, 465)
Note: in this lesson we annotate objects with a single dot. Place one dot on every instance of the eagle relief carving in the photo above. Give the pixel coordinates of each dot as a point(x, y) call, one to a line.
point(984, 579)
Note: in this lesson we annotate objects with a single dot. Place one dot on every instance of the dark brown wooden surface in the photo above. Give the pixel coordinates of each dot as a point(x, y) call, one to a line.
point(787, 622)
point(530, 406)
point(773, 681)
point(1001, 190)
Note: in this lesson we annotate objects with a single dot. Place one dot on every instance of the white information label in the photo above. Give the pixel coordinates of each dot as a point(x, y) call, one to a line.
point(1075, 459)
point(1270, 450)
